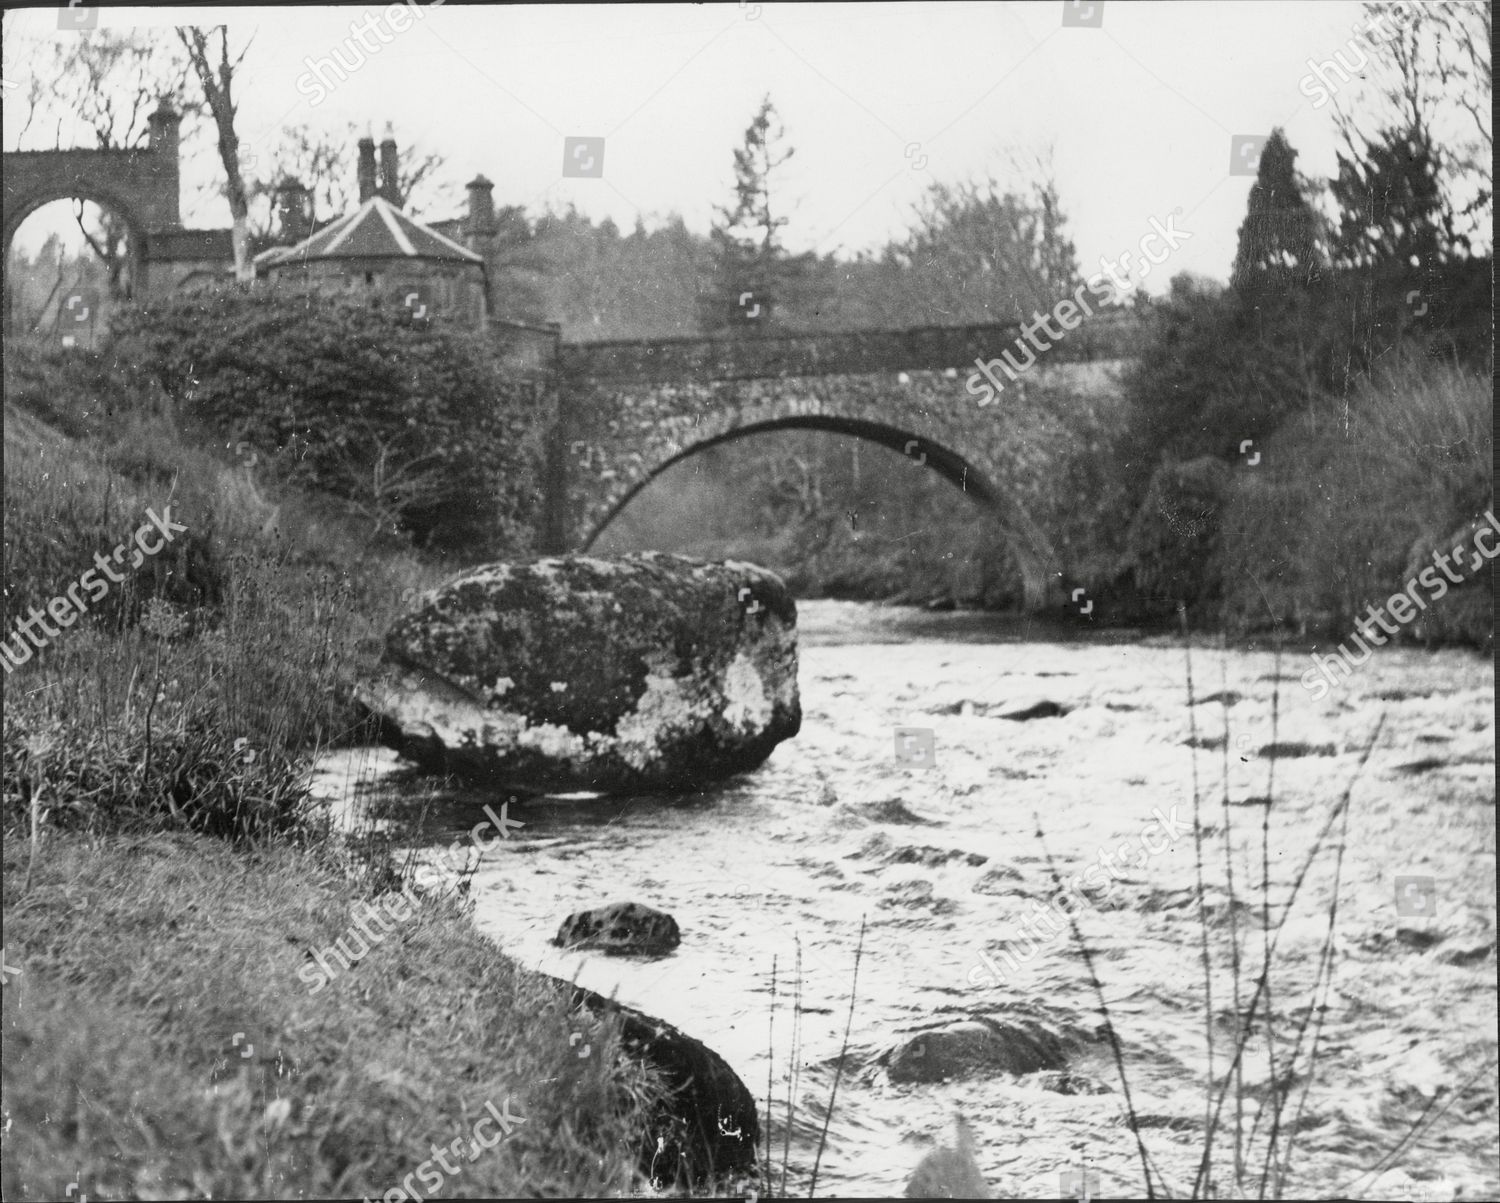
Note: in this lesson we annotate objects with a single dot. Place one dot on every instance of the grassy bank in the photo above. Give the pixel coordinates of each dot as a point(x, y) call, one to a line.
point(159, 1042)
point(165, 881)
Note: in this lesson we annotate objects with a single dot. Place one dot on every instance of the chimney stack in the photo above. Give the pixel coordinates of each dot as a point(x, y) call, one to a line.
point(165, 126)
point(481, 222)
point(293, 211)
point(366, 169)
point(388, 188)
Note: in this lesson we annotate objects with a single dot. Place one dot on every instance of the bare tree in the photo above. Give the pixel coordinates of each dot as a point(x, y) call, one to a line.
point(1432, 78)
point(108, 82)
point(324, 163)
point(18, 50)
point(217, 83)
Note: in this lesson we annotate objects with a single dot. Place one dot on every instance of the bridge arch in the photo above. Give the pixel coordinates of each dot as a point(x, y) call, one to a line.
point(1029, 546)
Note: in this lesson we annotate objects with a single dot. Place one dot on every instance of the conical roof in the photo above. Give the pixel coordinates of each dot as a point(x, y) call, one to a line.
point(376, 230)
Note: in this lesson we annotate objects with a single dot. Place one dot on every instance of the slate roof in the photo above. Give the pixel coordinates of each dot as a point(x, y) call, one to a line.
point(376, 230)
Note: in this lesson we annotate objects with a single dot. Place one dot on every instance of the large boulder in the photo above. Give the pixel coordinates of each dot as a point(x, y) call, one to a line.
point(647, 672)
point(708, 1126)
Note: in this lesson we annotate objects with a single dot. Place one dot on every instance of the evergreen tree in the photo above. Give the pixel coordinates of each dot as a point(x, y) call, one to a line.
point(1391, 209)
point(751, 274)
point(1280, 240)
point(1401, 261)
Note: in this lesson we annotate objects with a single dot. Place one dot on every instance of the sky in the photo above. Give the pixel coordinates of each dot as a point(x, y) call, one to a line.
point(1136, 105)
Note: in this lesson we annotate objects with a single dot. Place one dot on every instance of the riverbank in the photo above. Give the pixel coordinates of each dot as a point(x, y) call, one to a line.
point(168, 891)
point(162, 1039)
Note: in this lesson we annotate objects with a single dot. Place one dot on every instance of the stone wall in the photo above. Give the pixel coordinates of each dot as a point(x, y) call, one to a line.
point(924, 348)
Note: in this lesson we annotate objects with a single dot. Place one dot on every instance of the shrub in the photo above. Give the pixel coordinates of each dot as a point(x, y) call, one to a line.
point(187, 695)
point(417, 427)
point(1171, 546)
point(1348, 497)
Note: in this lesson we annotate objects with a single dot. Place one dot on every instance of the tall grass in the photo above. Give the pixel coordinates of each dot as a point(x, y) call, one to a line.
point(194, 694)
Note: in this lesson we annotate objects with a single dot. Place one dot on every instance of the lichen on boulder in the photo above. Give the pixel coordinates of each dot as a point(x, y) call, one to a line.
point(623, 675)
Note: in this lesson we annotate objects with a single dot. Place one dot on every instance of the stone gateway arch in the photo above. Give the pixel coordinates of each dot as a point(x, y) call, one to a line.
point(139, 185)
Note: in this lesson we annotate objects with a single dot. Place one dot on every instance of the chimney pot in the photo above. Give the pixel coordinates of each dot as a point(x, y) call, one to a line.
point(366, 169)
point(293, 210)
point(481, 209)
point(388, 187)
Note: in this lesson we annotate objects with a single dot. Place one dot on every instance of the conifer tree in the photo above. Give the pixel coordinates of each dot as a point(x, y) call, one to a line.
point(751, 273)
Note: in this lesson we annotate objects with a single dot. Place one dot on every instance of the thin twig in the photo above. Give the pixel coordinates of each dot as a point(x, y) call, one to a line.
point(1264, 977)
point(770, 1065)
point(1208, 986)
point(795, 1076)
point(1265, 894)
point(838, 1073)
point(1488, 1068)
point(1243, 1031)
point(1109, 1027)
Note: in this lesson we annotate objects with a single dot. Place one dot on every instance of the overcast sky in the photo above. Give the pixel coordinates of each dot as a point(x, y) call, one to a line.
point(880, 100)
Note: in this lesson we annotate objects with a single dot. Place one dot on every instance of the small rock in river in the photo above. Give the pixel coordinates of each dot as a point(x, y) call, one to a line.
point(975, 1046)
point(621, 928)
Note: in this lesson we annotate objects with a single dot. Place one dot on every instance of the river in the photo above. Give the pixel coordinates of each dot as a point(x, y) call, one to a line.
point(941, 862)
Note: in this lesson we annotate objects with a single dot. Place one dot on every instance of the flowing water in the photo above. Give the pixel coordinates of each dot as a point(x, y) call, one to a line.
point(942, 860)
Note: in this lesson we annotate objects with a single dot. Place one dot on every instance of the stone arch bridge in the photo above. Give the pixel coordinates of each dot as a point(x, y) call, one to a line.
point(629, 410)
